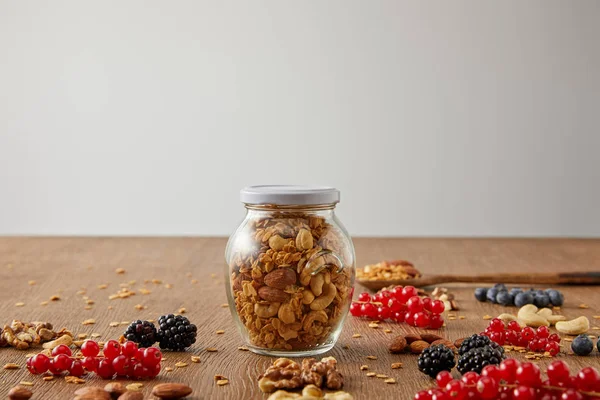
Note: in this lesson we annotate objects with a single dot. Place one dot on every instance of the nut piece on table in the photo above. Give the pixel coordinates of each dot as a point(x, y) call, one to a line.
point(283, 374)
point(386, 270)
point(92, 392)
point(19, 393)
point(170, 391)
point(418, 346)
point(398, 344)
point(130, 395)
point(575, 326)
point(430, 337)
point(115, 389)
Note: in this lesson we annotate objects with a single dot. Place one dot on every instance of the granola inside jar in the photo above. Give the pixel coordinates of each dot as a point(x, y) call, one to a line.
point(290, 270)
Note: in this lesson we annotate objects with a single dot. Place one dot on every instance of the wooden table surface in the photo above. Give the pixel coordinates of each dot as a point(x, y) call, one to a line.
point(194, 268)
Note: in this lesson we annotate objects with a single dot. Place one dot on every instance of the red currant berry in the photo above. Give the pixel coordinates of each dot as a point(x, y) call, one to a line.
point(152, 357)
point(396, 292)
point(498, 337)
point(29, 365)
point(62, 362)
point(422, 395)
point(487, 388)
point(439, 395)
point(534, 344)
point(523, 393)
point(61, 349)
point(90, 348)
point(443, 378)
point(409, 291)
point(553, 348)
point(437, 307)
point(511, 337)
point(364, 296)
point(558, 372)
point(90, 363)
point(514, 326)
point(470, 378)
point(122, 365)
point(436, 321)
point(496, 325)
point(383, 313)
point(105, 369)
point(571, 394)
point(527, 333)
point(40, 363)
point(528, 374)
point(369, 310)
point(421, 320)
point(588, 379)
point(492, 371)
point(508, 369)
point(355, 309)
point(415, 304)
point(139, 371)
point(398, 316)
point(554, 338)
point(456, 390)
point(112, 349)
point(129, 349)
point(395, 306)
point(140, 354)
point(542, 332)
point(409, 318)
point(154, 371)
point(76, 368)
point(426, 303)
point(52, 368)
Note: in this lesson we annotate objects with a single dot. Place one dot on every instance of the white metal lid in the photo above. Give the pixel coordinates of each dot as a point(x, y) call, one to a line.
point(289, 195)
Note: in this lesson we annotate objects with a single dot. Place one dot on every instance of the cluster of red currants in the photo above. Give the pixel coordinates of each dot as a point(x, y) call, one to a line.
point(400, 304)
point(537, 340)
point(513, 380)
point(118, 359)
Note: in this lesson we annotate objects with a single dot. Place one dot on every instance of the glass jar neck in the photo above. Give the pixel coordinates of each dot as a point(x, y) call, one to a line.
point(312, 208)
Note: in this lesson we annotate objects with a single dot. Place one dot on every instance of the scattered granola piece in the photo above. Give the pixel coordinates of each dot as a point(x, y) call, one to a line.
point(124, 322)
point(95, 335)
point(182, 310)
point(80, 292)
point(82, 335)
point(11, 366)
point(168, 369)
point(371, 374)
point(102, 286)
point(89, 302)
point(26, 383)
point(382, 376)
point(113, 324)
point(144, 291)
point(390, 381)
point(44, 303)
point(90, 321)
point(213, 275)
point(181, 364)
point(120, 271)
point(397, 365)
point(220, 332)
point(222, 382)
point(211, 349)
point(139, 307)
point(54, 297)
point(19, 304)
point(364, 367)
point(242, 348)
point(135, 387)
point(461, 317)
point(583, 305)
point(486, 317)
point(195, 359)
point(168, 286)
point(346, 346)
point(74, 379)
point(88, 307)
point(387, 330)
point(356, 335)
point(48, 378)
point(371, 357)
point(31, 283)
point(224, 305)
point(194, 281)
point(373, 325)
point(156, 281)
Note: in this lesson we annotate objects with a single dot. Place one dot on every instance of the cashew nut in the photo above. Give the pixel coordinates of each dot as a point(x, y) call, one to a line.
point(313, 266)
point(276, 242)
point(527, 315)
point(312, 317)
point(552, 319)
point(575, 326)
point(65, 339)
point(509, 317)
point(325, 299)
point(266, 310)
point(316, 284)
point(286, 313)
point(304, 240)
point(307, 297)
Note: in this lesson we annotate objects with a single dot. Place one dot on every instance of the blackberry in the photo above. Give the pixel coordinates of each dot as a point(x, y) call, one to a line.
point(435, 359)
point(477, 341)
point(582, 345)
point(175, 332)
point(477, 358)
point(141, 332)
point(481, 294)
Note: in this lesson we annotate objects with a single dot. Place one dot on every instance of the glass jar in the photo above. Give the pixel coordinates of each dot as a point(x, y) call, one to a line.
point(290, 270)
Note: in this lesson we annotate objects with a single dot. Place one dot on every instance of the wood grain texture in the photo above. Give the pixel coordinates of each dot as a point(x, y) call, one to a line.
point(63, 266)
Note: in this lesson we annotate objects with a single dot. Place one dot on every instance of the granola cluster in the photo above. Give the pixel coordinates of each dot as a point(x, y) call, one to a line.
point(23, 335)
point(288, 374)
point(388, 270)
point(290, 291)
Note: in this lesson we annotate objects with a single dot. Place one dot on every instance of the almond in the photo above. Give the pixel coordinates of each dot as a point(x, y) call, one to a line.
point(131, 396)
point(171, 390)
point(418, 346)
point(446, 343)
point(280, 278)
point(92, 393)
point(19, 393)
point(430, 337)
point(115, 389)
point(398, 344)
point(412, 338)
point(272, 294)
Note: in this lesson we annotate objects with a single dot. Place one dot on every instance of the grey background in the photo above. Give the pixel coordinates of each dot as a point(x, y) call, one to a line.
point(432, 117)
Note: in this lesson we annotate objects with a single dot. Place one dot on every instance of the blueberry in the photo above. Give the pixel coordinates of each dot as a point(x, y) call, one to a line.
point(491, 294)
point(500, 286)
point(515, 290)
point(541, 300)
point(505, 298)
point(481, 294)
point(556, 298)
point(582, 345)
point(523, 298)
